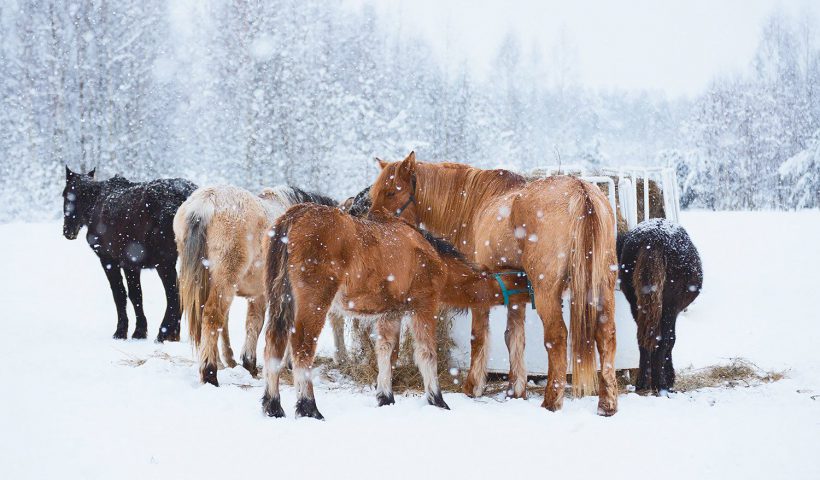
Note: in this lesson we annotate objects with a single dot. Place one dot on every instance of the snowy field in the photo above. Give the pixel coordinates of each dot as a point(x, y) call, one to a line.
point(77, 404)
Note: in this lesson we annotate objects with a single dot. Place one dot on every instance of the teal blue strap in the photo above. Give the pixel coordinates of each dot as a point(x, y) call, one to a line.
point(506, 293)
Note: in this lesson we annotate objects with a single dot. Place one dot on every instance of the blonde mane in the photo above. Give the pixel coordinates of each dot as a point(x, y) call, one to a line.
point(449, 193)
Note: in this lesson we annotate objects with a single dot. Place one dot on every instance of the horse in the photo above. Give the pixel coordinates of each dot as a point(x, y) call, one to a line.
point(661, 274)
point(129, 228)
point(222, 233)
point(380, 267)
point(559, 230)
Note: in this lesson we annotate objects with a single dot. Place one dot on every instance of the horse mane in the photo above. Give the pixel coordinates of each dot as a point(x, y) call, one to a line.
point(442, 246)
point(296, 195)
point(118, 181)
point(448, 193)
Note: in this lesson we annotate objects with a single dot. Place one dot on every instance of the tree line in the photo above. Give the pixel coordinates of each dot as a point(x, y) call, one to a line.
point(261, 93)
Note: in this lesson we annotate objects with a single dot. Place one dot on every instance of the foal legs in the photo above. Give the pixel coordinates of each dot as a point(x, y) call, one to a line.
point(112, 273)
point(476, 379)
point(424, 354)
point(132, 277)
point(337, 322)
point(310, 318)
point(514, 338)
point(387, 329)
point(169, 329)
point(253, 326)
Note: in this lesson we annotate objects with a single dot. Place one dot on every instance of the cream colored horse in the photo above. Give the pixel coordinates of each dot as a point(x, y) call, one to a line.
point(222, 236)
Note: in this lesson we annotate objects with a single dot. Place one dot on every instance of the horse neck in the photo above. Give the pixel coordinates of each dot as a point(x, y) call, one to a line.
point(467, 287)
point(92, 190)
point(449, 198)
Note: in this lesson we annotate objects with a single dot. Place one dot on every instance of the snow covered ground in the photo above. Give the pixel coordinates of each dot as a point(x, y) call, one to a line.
point(77, 404)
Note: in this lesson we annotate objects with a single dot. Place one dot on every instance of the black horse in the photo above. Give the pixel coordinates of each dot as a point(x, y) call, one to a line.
point(661, 274)
point(130, 227)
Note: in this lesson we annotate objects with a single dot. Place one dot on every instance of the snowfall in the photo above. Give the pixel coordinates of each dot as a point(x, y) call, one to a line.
point(77, 404)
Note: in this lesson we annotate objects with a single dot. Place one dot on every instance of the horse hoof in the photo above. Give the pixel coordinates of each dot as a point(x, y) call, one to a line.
point(553, 405)
point(166, 336)
point(250, 366)
point(472, 389)
point(230, 362)
point(140, 334)
point(272, 406)
point(209, 375)
point(385, 399)
point(437, 400)
point(511, 393)
point(605, 409)
point(306, 407)
point(118, 335)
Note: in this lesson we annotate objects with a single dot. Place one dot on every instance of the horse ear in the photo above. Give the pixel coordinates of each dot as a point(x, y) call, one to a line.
point(381, 163)
point(409, 164)
point(91, 173)
point(68, 172)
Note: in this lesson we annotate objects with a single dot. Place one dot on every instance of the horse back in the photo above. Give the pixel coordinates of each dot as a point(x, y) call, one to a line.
point(132, 223)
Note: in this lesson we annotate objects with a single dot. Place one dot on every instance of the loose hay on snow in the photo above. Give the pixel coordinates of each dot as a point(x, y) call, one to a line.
point(738, 373)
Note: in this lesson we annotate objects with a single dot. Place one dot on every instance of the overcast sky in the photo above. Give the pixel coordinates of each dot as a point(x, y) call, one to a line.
point(673, 46)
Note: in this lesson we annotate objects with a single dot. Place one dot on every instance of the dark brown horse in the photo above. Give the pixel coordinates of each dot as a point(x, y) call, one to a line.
point(559, 230)
point(381, 268)
point(661, 274)
point(130, 229)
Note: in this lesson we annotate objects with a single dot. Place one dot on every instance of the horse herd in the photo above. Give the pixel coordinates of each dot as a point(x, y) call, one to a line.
point(423, 236)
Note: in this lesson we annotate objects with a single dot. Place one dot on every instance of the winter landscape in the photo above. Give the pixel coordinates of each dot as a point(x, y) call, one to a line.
point(258, 94)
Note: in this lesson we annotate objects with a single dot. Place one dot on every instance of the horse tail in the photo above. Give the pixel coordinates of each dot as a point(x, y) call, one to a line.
point(649, 278)
point(279, 290)
point(192, 222)
point(592, 254)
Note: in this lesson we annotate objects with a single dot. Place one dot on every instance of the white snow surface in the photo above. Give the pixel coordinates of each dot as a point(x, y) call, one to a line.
point(74, 404)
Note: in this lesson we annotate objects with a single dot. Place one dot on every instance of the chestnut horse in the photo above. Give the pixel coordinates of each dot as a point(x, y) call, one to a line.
point(661, 274)
point(322, 259)
point(559, 230)
point(222, 235)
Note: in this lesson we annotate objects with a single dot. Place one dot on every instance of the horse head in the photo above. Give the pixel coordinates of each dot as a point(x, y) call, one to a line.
point(395, 189)
point(78, 197)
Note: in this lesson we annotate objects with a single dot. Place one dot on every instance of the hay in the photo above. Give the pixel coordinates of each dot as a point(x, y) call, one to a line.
point(738, 373)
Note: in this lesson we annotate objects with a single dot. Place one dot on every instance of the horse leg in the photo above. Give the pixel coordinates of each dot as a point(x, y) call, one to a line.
point(213, 322)
point(476, 379)
point(337, 322)
point(605, 340)
point(276, 345)
point(227, 351)
point(306, 329)
point(132, 278)
point(424, 354)
point(169, 329)
point(514, 338)
point(548, 305)
point(112, 273)
point(387, 329)
point(662, 370)
point(644, 380)
point(253, 326)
